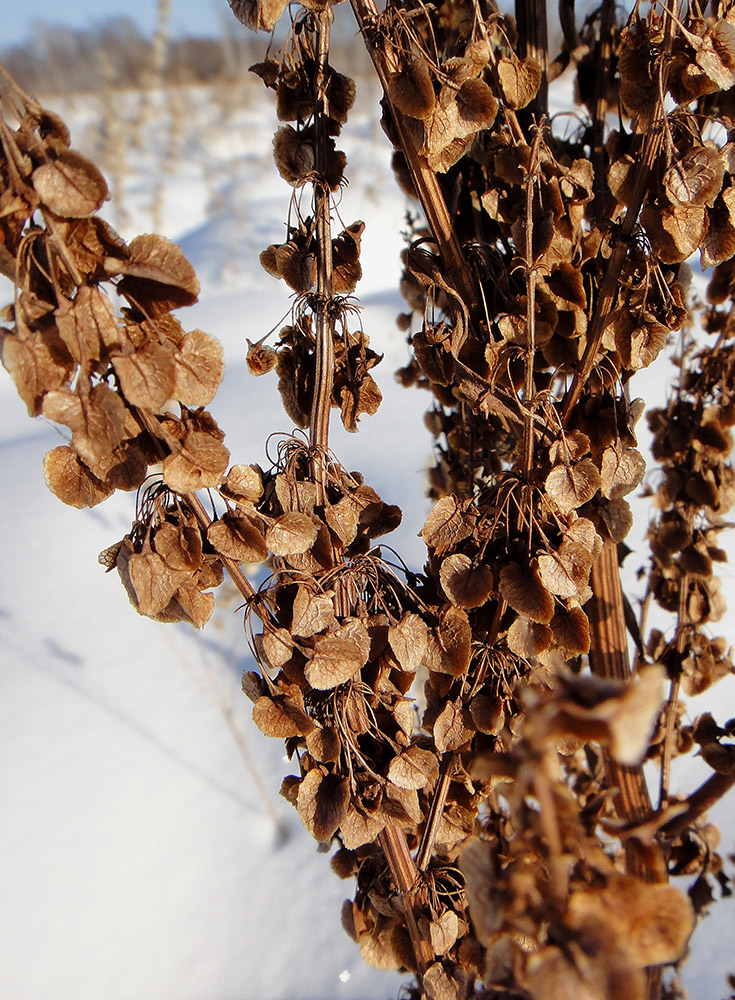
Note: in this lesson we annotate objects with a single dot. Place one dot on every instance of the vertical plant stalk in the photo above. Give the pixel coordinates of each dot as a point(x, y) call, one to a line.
point(393, 841)
point(405, 876)
point(609, 284)
point(670, 708)
point(457, 271)
point(324, 361)
point(426, 847)
point(607, 22)
point(650, 148)
point(529, 390)
point(609, 659)
point(533, 43)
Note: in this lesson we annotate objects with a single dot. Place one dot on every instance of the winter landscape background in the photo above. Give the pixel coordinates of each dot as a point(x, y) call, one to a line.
point(144, 850)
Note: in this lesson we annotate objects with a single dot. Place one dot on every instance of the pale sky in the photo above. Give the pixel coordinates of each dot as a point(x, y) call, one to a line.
point(188, 17)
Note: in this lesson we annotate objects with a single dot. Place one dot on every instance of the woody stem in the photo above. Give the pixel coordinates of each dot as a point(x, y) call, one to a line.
point(324, 314)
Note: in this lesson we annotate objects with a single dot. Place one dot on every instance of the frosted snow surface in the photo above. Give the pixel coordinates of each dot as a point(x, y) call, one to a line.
point(144, 851)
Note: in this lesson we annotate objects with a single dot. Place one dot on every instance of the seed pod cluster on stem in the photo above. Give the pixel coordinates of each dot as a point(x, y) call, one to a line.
point(498, 823)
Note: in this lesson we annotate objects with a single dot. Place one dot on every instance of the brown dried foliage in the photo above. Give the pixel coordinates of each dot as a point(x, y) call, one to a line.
point(498, 827)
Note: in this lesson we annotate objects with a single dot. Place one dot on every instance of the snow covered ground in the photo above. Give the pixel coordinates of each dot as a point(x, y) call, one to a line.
point(144, 850)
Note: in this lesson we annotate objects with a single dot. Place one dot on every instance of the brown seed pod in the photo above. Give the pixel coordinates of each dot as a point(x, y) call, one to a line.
point(411, 89)
point(259, 15)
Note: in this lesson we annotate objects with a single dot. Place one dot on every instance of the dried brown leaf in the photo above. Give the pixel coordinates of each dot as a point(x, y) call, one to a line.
point(653, 921)
point(87, 325)
point(70, 185)
point(156, 269)
point(200, 461)
point(291, 534)
point(259, 15)
point(676, 231)
point(199, 368)
point(488, 714)
point(153, 581)
point(347, 269)
point(253, 686)
point(453, 728)
point(524, 591)
point(295, 262)
point(695, 178)
point(408, 639)
point(447, 524)
point(294, 155)
point(342, 518)
point(295, 495)
point(519, 80)
point(465, 585)
point(189, 605)
point(359, 828)
point(338, 657)
point(565, 572)
point(570, 486)
point(618, 518)
point(38, 363)
point(357, 398)
point(413, 768)
point(71, 481)
point(571, 632)
point(324, 745)
point(281, 716)
point(646, 343)
point(443, 932)
point(147, 376)
point(439, 985)
point(715, 54)
point(449, 645)
point(274, 647)
point(179, 545)
point(411, 89)
point(322, 803)
point(622, 470)
point(312, 613)
point(244, 482)
point(238, 537)
point(573, 446)
point(455, 120)
point(554, 976)
point(527, 638)
point(96, 419)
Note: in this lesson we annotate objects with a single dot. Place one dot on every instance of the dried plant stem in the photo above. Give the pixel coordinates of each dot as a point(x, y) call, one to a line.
point(405, 876)
point(324, 377)
point(650, 148)
point(236, 574)
point(668, 744)
point(528, 431)
point(681, 643)
point(426, 847)
point(607, 21)
point(609, 285)
point(532, 35)
point(385, 59)
point(609, 659)
point(699, 802)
